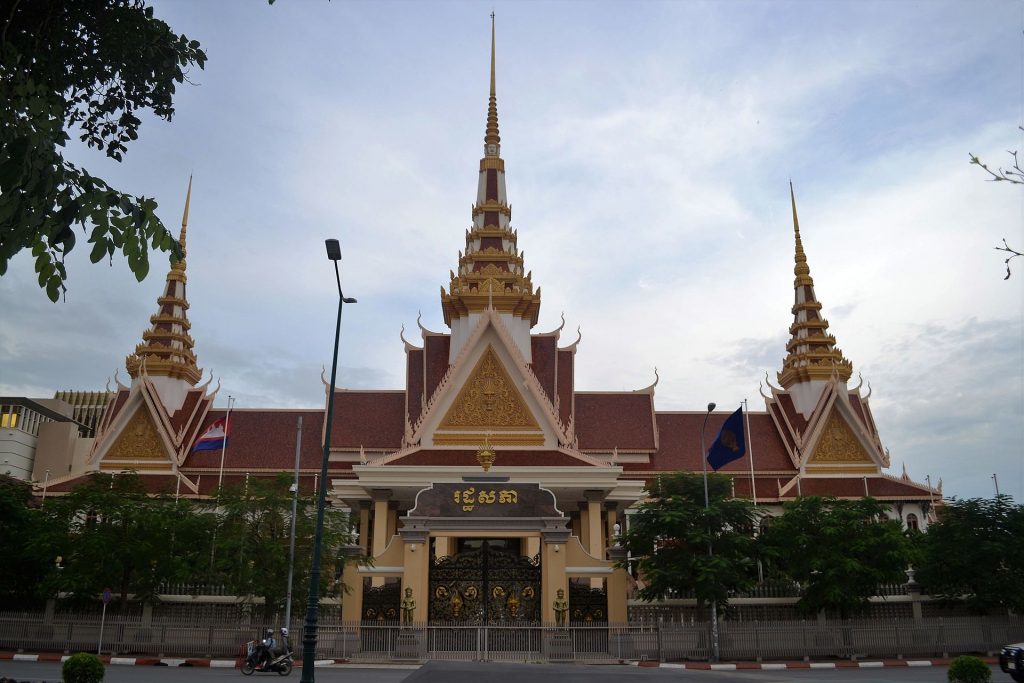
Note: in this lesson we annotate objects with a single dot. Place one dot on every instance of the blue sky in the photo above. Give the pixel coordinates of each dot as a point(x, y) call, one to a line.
point(648, 148)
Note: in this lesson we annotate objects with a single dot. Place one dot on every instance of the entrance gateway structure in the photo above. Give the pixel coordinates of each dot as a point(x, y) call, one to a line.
point(489, 483)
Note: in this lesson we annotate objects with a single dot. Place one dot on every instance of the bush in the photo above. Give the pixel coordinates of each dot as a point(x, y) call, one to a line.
point(967, 669)
point(83, 668)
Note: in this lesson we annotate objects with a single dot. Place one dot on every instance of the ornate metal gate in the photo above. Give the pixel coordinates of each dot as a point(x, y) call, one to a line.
point(586, 603)
point(485, 586)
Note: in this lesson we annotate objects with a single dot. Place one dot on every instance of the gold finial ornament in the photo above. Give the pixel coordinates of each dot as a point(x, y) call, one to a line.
point(166, 348)
point(491, 273)
point(485, 455)
point(811, 352)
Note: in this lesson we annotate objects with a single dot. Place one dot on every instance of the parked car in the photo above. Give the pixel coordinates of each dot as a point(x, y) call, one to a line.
point(1011, 660)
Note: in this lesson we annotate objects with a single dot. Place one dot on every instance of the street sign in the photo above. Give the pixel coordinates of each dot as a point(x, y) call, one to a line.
point(106, 596)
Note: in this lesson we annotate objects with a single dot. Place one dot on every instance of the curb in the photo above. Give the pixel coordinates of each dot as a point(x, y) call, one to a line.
point(154, 661)
point(779, 666)
point(698, 666)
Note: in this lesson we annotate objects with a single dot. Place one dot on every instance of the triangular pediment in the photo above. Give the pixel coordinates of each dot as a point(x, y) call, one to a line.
point(489, 400)
point(838, 447)
point(489, 392)
point(138, 446)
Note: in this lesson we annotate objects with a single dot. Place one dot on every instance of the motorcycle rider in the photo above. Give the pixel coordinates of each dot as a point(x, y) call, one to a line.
point(265, 650)
point(283, 646)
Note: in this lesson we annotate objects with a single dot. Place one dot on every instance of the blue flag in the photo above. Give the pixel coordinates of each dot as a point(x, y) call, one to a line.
point(730, 444)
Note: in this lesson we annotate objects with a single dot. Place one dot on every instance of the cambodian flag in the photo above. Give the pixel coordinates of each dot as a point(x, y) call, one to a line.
point(215, 437)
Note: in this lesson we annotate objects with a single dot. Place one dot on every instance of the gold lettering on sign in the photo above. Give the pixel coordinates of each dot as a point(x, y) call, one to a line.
point(838, 443)
point(489, 399)
point(469, 498)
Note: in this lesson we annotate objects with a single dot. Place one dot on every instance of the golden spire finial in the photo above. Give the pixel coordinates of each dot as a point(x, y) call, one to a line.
point(491, 138)
point(812, 352)
point(801, 269)
point(180, 265)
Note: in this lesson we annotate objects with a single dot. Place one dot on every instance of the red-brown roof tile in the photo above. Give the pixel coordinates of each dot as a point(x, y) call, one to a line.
point(564, 384)
point(853, 487)
point(621, 420)
point(369, 419)
point(679, 443)
point(436, 347)
point(795, 417)
point(182, 415)
point(543, 350)
point(414, 384)
point(505, 458)
point(264, 439)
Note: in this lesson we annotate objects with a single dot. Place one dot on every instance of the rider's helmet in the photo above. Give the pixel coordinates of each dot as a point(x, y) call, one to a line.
point(284, 631)
point(270, 632)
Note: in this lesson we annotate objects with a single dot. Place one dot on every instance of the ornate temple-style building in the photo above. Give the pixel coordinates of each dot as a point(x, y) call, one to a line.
point(490, 458)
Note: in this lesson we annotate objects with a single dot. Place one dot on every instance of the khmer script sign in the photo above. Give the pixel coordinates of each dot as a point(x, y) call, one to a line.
point(485, 499)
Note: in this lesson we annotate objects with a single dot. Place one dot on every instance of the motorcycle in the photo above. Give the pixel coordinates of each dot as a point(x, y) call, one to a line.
point(282, 664)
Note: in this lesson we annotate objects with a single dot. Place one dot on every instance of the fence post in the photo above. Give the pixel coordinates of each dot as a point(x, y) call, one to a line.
point(757, 642)
point(658, 640)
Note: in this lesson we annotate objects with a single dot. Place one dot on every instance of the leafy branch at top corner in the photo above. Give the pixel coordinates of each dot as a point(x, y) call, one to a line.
point(1015, 176)
point(88, 69)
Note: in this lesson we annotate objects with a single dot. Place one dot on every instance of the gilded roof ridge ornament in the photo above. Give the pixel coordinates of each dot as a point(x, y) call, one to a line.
point(323, 375)
point(423, 330)
point(579, 338)
point(650, 388)
point(203, 387)
point(760, 389)
point(867, 395)
point(860, 383)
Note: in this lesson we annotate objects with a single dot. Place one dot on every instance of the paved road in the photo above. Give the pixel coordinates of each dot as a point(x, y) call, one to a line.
point(475, 672)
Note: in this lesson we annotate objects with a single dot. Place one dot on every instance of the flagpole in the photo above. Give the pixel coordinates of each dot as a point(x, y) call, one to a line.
point(224, 445)
point(750, 449)
point(707, 505)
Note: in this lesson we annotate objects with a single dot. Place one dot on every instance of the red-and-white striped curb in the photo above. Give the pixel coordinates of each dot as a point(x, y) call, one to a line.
point(152, 661)
point(778, 666)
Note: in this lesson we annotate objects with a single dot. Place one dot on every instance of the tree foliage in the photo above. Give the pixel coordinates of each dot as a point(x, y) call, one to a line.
point(670, 534)
point(974, 553)
point(112, 532)
point(839, 550)
point(90, 68)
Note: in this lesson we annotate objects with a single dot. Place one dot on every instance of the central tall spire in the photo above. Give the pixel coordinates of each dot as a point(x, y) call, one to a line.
point(491, 273)
point(166, 348)
point(812, 352)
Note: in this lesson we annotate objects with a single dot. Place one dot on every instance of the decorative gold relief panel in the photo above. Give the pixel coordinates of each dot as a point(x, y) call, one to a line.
point(489, 399)
point(838, 443)
point(139, 440)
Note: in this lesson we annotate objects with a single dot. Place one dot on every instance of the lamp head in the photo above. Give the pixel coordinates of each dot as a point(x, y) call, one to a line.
point(333, 249)
point(711, 406)
point(348, 300)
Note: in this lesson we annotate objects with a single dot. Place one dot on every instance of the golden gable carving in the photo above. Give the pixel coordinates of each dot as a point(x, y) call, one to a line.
point(489, 399)
point(139, 440)
point(838, 443)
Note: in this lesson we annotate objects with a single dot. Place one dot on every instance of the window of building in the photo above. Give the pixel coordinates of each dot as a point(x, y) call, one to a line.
point(912, 523)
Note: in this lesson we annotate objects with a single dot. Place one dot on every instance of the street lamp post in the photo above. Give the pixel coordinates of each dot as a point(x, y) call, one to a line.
point(313, 606)
point(707, 505)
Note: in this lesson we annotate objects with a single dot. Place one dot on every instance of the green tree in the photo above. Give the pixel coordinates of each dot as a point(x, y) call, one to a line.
point(670, 534)
point(839, 550)
point(89, 67)
point(253, 535)
point(114, 533)
point(974, 553)
point(22, 562)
